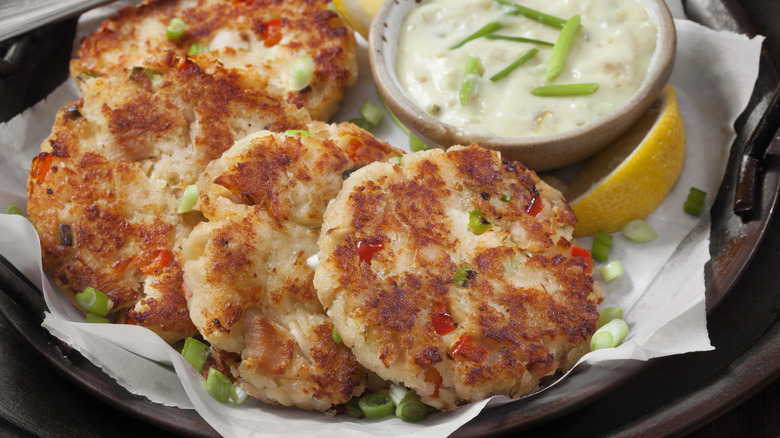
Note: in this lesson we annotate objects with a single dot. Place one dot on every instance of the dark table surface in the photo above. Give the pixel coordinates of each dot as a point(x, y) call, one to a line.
point(37, 401)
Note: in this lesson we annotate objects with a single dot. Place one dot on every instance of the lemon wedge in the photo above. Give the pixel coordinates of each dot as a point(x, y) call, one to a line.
point(358, 13)
point(630, 178)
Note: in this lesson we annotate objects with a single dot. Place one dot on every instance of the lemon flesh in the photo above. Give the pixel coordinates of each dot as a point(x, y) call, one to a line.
point(358, 13)
point(630, 178)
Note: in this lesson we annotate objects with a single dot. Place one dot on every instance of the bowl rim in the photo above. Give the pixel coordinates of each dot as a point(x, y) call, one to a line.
point(430, 128)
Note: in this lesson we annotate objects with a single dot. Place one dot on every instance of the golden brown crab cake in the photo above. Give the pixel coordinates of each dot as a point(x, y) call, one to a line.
point(265, 36)
point(104, 192)
point(247, 280)
point(452, 274)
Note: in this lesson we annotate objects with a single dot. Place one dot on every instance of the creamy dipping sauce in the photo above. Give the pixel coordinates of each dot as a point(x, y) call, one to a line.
point(612, 48)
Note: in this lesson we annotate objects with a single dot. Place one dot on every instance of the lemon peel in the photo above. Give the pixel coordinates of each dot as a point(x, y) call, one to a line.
point(358, 13)
point(630, 178)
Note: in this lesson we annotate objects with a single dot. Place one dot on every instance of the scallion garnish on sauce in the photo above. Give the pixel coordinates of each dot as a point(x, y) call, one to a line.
point(561, 47)
point(517, 39)
point(560, 90)
point(482, 31)
point(520, 61)
point(533, 14)
point(471, 74)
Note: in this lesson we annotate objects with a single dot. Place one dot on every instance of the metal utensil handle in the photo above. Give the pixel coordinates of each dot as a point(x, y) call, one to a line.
point(20, 16)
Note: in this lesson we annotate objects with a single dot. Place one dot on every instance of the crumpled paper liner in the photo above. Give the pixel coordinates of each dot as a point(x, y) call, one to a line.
point(662, 290)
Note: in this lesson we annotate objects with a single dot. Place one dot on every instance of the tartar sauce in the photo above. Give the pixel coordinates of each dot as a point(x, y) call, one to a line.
point(612, 48)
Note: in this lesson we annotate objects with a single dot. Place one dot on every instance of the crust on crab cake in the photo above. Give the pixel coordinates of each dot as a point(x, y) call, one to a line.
point(265, 36)
point(455, 313)
point(104, 192)
point(247, 281)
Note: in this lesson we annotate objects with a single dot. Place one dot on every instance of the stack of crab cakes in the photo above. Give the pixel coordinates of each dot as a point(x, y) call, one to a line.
point(451, 273)
point(103, 195)
point(247, 280)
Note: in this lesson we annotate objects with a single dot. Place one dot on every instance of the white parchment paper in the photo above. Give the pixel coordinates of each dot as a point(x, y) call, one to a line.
point(662, 289)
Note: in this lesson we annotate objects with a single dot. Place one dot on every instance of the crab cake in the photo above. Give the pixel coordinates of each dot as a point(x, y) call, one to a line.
point(452, 274)
point(247, 280)
point(104, 192)
point(265, 36)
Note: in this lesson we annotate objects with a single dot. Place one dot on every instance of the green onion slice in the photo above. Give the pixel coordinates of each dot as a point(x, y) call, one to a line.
point(482, 31)
point(398, 161)
point(416, 144)
point(197, 49)
point(506, 197)
point(353, 408)
point(301, 73)
point(175, 29)
point(561, 47)
point(610, 335)
point(477, 222)
point(397, 393)
point(639, 231)
point(360, 122)
point(468, 85)
point(195, 352)
point(96, 319)
point(602, 242)
point(410, 408)
point(533, 14)
point(237, 395)
point(14, 209)
point(607, 314)
point(370, 112)
point(694, 204)
point(218, 385)
point(188, 199)
point(94, 301)
point(463, 275)
point(561, 90)
point(520, 61)
point(376, 405)
point(336, 336)
point(294, 132)
point(611, 270)
point(517, 39)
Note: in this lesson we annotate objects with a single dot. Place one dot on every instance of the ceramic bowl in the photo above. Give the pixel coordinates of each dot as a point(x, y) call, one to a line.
point(543, 152)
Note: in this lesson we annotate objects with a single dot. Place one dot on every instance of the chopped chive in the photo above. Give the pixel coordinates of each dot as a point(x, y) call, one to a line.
point(301, 73)
point(471, 73)
point(360, 122)
point(611, 270)
point(602, 242)
point(533, 14)
point(376, 405)
point(294, 132)
point(370, 112)
point(353, 408)
point(237, 395)
point(517, 39)
point(607, 314)
point(639, 231)
point(398, 161)
point(336, 336)
point(416, 144)
point(14, 209)
point(188, 199)
point(409, 408)
point(477, 222)
point(96, 319)
point(558, 90)
point(197, 49)
point(195, 353)
point(694, 204)
point(218, 385)
point(482, 31)
point(528, 55)
point(561, 48)
point(610, 335)
point(506, 197)
point(94, 301)
point(175, 29)
point(463, 276)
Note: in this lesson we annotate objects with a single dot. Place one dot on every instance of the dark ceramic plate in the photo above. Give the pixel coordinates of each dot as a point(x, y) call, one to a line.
point(735, 241)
